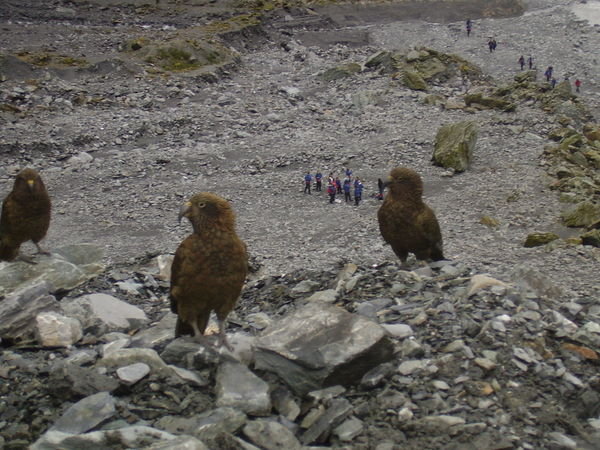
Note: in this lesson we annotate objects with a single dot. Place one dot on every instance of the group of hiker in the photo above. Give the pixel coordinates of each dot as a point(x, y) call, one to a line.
point(492, 44)
point(335, 186)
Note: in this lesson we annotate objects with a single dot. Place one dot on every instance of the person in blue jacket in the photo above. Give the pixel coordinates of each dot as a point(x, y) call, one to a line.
point(307, 182)
point(318, 178)
point(358, 188)
point(347, 186)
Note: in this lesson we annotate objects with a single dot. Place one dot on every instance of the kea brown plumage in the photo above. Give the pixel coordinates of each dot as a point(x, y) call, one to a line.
point(209, 267)
point(25, 215)
point(405, 221)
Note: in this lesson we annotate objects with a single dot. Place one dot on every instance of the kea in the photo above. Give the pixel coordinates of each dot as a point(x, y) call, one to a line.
point(405, 221)
point(25, 216)
point(209, 267)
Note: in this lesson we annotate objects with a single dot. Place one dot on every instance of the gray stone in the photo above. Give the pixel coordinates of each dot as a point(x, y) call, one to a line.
point(55, 330)
point(338, 410)
point(238, 387)
point(304, 287)
point(66, 268)
point(271, 435)
point(376, 375)
point(18, 311)
point(127, 356)
point(189, 376)
point(73, 382)
point(439, 424)
point(398, 330)
point(86, 414)
point(179, 443)
point(561, 440)
point(284, 403)
point(133, 373)
point(454, 145)
point(411, 366)
point(102, 312)
point(217, 421)
point(127, 437)
point(349, 429)
point(327, 296)
point(320, 345)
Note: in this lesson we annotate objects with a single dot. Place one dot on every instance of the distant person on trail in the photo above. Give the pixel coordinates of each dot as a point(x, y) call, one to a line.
point(548, 73)
point(338, 185)
point(530, 62)
point(522, 62)
point(318, 178)
point(358, 188)
point(307, 182)
point(331, 192)
point(347, 186)
point(492, 44)
point(469, 27)
point(577, 84)
point(553, 82)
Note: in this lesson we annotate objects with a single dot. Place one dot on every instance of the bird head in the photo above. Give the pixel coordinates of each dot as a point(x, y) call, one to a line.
point(403, 181)
point(28, 180)
point(207, 210)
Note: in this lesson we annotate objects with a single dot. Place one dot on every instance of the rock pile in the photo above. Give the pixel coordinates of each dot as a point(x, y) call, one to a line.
point(442, 356)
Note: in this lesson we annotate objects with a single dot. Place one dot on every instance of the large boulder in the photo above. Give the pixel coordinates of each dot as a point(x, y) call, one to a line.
point(340, 72)
point(321, 345)
point(484, 102)
point(454, 145)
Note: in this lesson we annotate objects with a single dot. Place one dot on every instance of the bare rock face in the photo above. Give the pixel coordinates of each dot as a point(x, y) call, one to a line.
point(454, 145)
point(321, 345)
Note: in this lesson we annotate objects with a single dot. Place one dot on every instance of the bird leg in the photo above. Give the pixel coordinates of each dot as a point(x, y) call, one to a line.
point(24, 258)
point(41, 250)
point(223, 336)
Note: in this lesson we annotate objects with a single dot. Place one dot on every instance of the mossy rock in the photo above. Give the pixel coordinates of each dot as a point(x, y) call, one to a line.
point(384, 60)
point(434, 99)
point(572, 141)
point(489, 102)
point(591, 132)
point(343, 71)
point(593, 156)
point(539, 238)
point(179, 54)
point(591, 238)
point(414, 81)
point(454, 145)
point(561, 133)
point(489, 221)
point(429, 68)
point(584, 214)
point(526, 77)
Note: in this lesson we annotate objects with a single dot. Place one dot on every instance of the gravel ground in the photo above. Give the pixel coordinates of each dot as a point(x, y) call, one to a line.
point(251, 137)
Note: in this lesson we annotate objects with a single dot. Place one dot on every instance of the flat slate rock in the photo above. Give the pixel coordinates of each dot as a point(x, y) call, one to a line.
point(321, 345)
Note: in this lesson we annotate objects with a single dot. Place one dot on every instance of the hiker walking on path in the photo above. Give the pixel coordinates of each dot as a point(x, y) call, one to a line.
point(577, 84)
point(522, 62)
point(469, 27)
point(548, 73)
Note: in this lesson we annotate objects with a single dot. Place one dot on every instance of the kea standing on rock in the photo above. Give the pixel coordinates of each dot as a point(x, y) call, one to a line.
point(405, 221)
point(209, 267)
point(25, 215)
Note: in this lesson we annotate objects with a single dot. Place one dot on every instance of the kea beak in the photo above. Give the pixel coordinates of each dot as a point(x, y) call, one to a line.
point(185, 208)
point(30, 184)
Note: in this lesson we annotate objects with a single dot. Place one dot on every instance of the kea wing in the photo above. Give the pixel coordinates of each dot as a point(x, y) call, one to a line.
point(431, 235)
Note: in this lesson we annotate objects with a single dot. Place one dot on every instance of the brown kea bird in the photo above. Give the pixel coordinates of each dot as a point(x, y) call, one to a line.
point(209, 267)
point(405, 221)
point(25, 215)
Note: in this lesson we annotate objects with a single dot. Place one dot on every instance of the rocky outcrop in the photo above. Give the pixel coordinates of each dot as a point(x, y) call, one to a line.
point(454, 145)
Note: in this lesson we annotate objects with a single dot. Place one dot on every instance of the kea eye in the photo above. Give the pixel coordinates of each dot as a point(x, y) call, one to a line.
point(201, 205)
